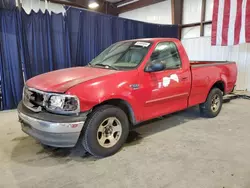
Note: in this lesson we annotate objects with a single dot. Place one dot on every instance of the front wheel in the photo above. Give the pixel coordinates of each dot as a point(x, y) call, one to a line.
point(105, 131)
point(212, 107)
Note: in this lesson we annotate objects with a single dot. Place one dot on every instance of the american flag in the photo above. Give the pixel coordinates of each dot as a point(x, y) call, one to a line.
point(231, 22)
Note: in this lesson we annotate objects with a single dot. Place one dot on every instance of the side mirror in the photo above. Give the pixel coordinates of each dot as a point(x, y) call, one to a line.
point(154, 66)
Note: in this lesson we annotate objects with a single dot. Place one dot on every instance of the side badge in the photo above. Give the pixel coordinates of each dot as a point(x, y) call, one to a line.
point(135, 86)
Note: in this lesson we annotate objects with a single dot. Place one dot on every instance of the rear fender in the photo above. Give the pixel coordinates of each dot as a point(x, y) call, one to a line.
point(221, 84)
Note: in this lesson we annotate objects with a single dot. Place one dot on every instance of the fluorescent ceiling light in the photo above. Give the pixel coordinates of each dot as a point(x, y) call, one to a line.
point(127, 3)
point(93, 5)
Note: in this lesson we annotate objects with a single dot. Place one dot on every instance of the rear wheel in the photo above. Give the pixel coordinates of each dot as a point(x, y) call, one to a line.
point(105, 131)
point(212, 107)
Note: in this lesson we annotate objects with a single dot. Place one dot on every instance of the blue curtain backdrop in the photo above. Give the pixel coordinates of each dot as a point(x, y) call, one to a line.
point(41, 42)
point(8, 4)
point(36, 29)
point(46, 42)
point(60, 42)
point(91, 32)
point(11, 69)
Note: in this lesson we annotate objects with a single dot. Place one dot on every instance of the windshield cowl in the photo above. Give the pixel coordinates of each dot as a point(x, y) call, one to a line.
point(104, 66)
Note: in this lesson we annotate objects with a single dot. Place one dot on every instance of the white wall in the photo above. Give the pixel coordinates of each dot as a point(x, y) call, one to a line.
point(191, 11)
point(209, 10)
point(159, 13)
point(199, 48)
point(35, 5)
point(190, 32)
point(192, 14)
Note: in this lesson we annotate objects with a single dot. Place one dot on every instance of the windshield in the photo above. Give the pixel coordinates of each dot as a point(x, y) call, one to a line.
point(122, 55)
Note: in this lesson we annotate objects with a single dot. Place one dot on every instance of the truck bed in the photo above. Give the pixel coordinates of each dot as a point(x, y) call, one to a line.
point(206, 73)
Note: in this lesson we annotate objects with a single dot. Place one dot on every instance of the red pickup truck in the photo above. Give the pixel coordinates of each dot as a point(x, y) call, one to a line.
point(128, 83)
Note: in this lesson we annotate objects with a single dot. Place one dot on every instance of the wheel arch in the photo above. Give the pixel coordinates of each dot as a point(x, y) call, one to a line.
point(220, 84)
point(122, 104)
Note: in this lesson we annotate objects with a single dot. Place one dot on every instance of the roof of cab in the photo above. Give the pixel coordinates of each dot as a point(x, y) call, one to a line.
point(155, 39)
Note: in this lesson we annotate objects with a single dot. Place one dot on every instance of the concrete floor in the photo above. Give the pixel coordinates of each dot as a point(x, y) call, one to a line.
point(179, 151)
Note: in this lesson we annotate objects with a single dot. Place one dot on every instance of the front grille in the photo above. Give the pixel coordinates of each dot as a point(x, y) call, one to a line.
point(33, 99)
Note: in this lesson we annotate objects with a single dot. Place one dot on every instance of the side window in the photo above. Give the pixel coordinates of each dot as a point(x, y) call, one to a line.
point(167, 53)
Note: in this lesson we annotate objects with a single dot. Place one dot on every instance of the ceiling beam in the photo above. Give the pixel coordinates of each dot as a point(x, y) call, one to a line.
point(69, 3)
point(196, 24)
point(135, 5)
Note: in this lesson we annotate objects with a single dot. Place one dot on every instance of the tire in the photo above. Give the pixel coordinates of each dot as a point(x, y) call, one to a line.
point(102, 122)
point(209, 111)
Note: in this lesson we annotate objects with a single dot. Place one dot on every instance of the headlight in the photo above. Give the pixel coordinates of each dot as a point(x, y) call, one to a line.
point(63, 104)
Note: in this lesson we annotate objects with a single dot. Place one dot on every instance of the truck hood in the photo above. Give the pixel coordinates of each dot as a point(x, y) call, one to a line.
point(61, 80)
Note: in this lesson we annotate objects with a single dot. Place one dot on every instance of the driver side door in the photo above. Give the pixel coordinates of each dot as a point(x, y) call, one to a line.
point(166, 91)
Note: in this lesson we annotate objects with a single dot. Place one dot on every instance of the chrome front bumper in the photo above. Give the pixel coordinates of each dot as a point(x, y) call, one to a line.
point(50, 132)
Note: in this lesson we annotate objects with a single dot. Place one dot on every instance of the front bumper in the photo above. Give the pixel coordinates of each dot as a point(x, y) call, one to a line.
point(51, 129)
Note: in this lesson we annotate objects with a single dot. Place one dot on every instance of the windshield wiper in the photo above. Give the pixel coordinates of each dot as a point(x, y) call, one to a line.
point(105, 65)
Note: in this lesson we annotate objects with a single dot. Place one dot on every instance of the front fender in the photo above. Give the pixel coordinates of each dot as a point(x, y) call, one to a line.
point(131, 101)
point(95, 92)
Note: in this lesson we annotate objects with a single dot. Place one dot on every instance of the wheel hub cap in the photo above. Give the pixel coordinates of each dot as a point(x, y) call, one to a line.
point(215, 103)
point(109, 132)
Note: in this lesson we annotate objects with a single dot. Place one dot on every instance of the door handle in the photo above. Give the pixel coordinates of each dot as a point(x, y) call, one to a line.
point(184, 78)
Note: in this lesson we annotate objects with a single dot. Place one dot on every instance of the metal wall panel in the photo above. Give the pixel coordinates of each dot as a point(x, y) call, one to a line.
point(159, 13)
point(201, 49)
point(207, 30)
point(190, 32)
point(209, 10)
point(191, 11)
